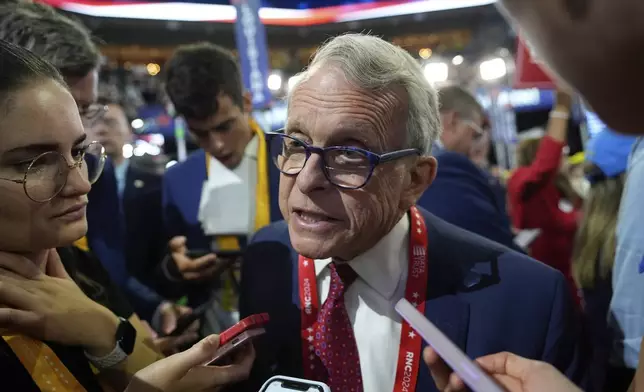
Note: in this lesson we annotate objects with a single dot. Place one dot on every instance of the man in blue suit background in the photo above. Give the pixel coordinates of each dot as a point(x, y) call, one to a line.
point(204, 83)
point(355, 158)
point(462, 193)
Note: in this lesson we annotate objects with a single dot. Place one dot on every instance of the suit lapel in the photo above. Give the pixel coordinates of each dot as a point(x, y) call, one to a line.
point(189, 186)
point(444, 308)
point(274, 188)
point(128, 189)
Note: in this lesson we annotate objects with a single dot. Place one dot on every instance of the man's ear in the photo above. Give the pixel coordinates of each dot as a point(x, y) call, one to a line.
point(421, 177)
point(448, 121)
point(248, 102)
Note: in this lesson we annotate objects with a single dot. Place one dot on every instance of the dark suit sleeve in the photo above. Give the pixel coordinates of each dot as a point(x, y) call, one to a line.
point(267, 287)
point(146, 244)
point(252, 278)
point(105, 231)
point(172, 222)
point(167, 279)
point(565, 346)
point(461, 195)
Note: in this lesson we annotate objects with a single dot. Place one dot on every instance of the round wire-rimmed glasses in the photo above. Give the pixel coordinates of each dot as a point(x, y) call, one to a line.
point(46, 175)
point(345, 167)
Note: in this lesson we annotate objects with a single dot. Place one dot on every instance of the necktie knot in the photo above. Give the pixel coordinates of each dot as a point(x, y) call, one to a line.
point(346, 274)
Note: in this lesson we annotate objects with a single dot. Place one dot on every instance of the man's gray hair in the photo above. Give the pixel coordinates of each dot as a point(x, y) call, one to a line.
point(456, 99)
point(373, 64)
point(63, 42)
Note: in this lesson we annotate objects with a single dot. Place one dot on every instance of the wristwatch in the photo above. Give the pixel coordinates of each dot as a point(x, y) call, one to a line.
point(125, 339)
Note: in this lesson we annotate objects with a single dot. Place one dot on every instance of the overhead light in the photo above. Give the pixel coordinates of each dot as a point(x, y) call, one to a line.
point(127, 151)
point(274, 82)
point(425, 53)
point(137, 123)
point(153, 69)
point(436, 72)
point(493, 69)
point(458, 60)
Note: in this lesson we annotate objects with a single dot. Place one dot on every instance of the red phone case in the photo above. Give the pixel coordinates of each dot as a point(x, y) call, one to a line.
point(253, 321)
point(241, 340)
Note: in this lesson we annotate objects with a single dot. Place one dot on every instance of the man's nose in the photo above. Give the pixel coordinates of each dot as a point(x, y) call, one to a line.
point(97, 130)
point(215, 142)
point(312, 176)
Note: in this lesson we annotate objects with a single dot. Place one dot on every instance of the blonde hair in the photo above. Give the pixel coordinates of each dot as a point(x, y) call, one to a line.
point(527, 153)
point(596, 234)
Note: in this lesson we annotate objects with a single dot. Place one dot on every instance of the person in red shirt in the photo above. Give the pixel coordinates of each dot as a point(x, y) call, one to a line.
point(541, 197)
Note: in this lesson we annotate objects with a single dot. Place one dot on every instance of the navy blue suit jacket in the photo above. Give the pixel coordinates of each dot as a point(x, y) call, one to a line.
point(462, 194)
point(105, 237)
point(182, 185)
point(145, 242)
point(485, 297)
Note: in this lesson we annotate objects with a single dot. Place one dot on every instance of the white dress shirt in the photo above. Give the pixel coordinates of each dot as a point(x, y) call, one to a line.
point(370, 300)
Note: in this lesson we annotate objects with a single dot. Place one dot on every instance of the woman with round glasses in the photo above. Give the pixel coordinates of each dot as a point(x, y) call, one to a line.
point(54, 337)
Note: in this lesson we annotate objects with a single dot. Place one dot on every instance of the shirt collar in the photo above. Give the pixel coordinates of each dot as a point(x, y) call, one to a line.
point(251, 148)
point(121, 170)
point(382, 266)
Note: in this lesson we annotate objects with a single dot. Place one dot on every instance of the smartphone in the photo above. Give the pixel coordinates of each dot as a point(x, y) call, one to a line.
point(250, 322)
point(186, 321)
point(473, 376)
point(236, 343)
point(290, 384)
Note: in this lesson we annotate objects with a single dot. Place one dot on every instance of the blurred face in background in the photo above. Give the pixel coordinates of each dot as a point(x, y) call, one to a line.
point(113, 131)
point(597, 46)
point(85, 93)
point(42, 117)
point(225, 134)
point(460, 133)
point(480, 150)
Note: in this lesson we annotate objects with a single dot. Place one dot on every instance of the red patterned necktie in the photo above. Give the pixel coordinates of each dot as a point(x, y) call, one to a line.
point(334, 341)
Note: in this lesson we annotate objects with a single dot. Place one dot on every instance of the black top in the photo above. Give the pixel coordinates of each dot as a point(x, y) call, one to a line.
point(88, 273)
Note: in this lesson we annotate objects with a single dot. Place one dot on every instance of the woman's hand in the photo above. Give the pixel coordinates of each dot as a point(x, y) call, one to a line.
point(50, 306)
point(186, 371)
point(514, 373)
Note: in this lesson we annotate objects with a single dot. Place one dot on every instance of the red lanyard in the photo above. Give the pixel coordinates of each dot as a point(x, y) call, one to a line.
point(415, 292)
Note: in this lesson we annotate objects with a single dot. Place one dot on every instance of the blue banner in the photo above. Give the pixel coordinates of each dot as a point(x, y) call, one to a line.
point(253, 55)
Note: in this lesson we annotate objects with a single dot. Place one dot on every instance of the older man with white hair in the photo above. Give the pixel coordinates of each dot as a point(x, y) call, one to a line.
point(355, 157)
